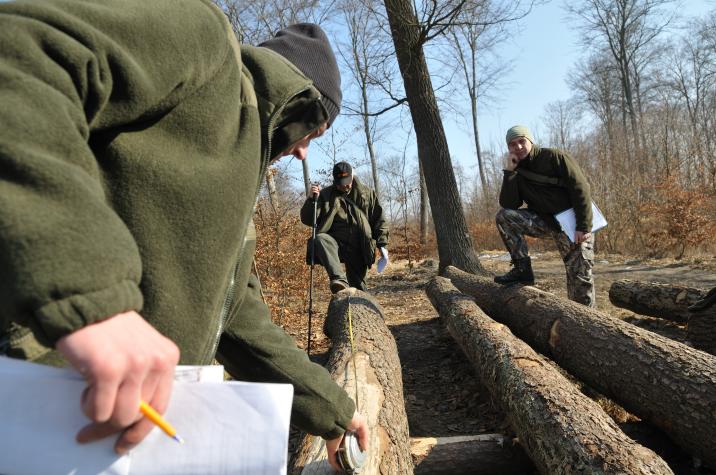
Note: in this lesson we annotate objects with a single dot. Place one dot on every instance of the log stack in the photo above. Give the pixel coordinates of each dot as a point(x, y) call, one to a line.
point(670, 385)
point(371, 361)
point(561, 429)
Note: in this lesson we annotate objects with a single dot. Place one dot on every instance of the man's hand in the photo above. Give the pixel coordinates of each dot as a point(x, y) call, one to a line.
point(359, 425)
point(581, 236)
point(123, 359)
point(512, 162)
point(315, 189)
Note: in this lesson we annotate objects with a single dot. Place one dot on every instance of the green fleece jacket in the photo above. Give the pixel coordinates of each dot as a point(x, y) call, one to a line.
point(546, 199)
point(372, 228)
point(133, 141)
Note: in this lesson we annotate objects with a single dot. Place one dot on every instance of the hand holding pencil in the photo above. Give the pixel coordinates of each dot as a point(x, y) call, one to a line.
point(124, 360)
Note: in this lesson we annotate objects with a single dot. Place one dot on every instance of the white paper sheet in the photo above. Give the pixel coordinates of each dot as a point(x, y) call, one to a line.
point(383, 261)
point(568, 221)
point(229, 427)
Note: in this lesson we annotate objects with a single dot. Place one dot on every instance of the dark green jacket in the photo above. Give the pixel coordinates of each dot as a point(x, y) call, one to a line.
point(133, 141)
point(548, 199)
point(372, 227)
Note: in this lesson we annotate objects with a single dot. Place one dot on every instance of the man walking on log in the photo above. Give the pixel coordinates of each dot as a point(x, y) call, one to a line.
point(350, 226)
point(548, 181)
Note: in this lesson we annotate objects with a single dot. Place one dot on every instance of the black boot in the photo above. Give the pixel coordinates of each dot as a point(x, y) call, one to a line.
point(521, 272)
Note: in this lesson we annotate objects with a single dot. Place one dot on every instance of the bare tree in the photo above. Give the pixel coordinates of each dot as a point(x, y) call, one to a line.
point(478, 29)
point(626, 27)
point(560, 118)
point(370, 62)
point(454, 243)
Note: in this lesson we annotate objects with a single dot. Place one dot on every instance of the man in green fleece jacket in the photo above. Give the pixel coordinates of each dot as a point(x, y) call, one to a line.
point(133, 142)
point(548, 181)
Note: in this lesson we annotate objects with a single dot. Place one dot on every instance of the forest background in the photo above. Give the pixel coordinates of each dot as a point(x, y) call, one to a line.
point(640, 120)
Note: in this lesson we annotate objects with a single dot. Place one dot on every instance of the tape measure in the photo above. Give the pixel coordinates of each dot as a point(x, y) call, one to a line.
point(349, 455)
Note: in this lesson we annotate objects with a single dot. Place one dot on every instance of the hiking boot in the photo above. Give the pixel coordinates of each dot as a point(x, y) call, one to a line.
point(521, 273)
point(337, 285)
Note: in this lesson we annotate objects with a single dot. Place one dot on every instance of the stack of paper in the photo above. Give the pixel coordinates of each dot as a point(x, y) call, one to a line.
point(228, 427)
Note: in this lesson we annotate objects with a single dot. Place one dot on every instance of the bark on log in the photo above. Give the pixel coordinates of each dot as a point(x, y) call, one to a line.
point(380, 386)
point(561, 429)
point(665, 301)
point(665, 383)
point(701, 330)
point(485, 454)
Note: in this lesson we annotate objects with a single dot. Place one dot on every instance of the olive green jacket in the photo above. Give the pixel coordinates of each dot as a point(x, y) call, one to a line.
point(571, 191)
point(372, 228)
point(133, 142)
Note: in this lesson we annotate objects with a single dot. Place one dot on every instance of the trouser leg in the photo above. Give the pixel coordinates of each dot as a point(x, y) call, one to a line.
point(326, 249)
point(578, 264)
point(514, 224)
point(356, 271)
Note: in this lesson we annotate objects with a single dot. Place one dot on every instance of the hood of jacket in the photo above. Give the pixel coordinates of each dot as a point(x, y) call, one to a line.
point(289, 105)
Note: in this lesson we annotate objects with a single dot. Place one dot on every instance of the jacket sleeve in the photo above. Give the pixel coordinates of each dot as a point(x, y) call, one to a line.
point(378, 226)
point(68, 69)
point(579, 191)
point(307, 212)
point(510, 193)
point(254, 349)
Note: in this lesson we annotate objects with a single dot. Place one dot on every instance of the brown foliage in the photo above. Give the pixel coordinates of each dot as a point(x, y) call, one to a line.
point(676, 218)
point(281, 261)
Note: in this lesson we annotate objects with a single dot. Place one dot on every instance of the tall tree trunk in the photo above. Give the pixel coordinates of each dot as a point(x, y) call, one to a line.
point(306, 176)
point(665, 383)
point(369, 143)
point(454, 243)
point(423, 206)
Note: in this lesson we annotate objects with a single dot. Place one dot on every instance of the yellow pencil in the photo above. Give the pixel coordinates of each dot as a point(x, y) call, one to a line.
point(156, 418)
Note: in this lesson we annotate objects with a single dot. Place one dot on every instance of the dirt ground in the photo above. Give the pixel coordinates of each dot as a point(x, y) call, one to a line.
point(442, 395)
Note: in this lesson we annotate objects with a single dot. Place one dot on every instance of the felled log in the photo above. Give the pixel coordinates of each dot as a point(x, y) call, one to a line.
point(666, 301)
point(374, 364)
point(701, 330)
point(561, 429)
point(485, 454)
point(666, 383)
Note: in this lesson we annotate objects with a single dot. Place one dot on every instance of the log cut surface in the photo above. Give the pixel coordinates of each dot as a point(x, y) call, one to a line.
point(561, 429)
point(380, 387)
point(665, 301)
point(665, 383)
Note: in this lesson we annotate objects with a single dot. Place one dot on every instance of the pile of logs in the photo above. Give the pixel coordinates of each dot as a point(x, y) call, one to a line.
point(670, 385)
point(670, 302)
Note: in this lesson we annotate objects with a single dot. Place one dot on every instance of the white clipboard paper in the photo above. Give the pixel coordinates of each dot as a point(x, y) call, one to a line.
point(568, 221)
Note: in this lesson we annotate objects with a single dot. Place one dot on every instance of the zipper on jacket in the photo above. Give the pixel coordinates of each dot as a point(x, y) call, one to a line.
point(230, 293)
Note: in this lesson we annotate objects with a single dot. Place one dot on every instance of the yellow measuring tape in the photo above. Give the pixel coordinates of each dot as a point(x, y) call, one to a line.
point(353, 350)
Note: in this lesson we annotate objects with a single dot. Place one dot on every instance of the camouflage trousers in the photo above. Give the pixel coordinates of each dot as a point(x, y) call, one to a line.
point(514, 224)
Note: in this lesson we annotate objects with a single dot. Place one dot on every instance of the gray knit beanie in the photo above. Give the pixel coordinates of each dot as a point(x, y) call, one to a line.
point(308, 48)
point(519, 131)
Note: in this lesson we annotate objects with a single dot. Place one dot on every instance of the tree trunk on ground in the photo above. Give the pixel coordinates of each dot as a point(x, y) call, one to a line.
point(665, 383)
point(666, 301)
point(454, 243)
point(561, 429)
point(701, 330)
point(486, 454)
point(380, 386)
